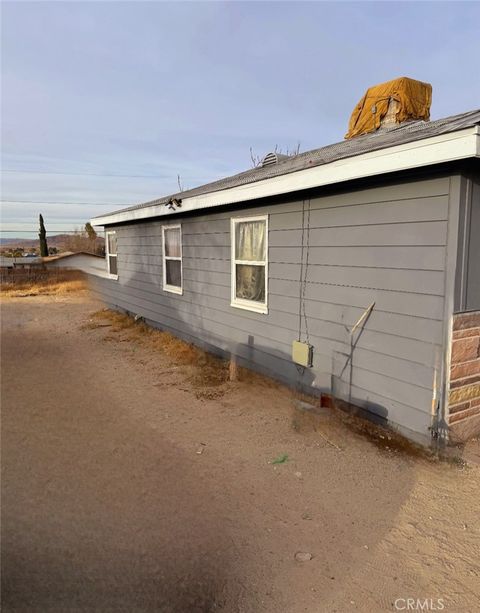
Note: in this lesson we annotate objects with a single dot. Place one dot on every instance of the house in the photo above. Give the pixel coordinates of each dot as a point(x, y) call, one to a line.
point(352, 271)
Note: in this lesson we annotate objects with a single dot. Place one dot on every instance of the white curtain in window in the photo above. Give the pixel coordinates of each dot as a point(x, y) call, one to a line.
point(112, 243)
point(250, 246)
point(111, 239)
point(250, 241)
point(250, 282)
point(172, 243)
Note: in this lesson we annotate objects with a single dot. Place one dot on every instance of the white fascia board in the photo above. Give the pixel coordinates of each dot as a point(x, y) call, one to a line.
point(477, 138)
point(435, 150)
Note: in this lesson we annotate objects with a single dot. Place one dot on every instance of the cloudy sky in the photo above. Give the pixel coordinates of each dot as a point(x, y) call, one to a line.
point(105, 103)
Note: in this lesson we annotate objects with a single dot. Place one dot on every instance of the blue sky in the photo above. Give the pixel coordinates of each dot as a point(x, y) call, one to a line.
point(148, 90)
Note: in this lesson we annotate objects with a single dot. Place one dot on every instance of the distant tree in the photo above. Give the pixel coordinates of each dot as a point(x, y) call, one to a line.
point(92, 235)
point(76, 241)
point(43, 239)
point(83, 240)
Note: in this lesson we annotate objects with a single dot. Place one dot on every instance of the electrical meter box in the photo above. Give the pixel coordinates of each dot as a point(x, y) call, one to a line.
point(302, 353)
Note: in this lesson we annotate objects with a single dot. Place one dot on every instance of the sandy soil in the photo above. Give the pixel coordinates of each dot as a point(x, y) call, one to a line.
point(127, 486)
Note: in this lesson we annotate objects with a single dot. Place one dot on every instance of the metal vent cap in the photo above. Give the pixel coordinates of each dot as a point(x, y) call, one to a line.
point(273, 158)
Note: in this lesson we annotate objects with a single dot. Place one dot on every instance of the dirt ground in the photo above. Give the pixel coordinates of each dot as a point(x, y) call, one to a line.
point(132, 484)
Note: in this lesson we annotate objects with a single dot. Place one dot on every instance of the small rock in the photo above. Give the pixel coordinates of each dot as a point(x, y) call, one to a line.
point(302, 556)
point(366, 546)
point(298, 474)
point(306, 516)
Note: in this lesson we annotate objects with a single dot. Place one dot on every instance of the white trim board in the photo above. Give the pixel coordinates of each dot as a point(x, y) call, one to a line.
point(174, 289)
point(109, 255)
point(239, 303)
point(453, 146)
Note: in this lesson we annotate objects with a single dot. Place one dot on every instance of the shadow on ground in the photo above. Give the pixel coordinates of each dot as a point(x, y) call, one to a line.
point(110, 505)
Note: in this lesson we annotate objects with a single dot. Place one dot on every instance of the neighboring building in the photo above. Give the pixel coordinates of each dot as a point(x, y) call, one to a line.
point(20, 262)
point(299, 248)
point(80, 260)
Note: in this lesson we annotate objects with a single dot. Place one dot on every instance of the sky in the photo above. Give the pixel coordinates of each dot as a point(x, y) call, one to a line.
point(104, 104)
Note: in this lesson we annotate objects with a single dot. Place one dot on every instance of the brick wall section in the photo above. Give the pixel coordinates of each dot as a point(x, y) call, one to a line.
point(464, 391)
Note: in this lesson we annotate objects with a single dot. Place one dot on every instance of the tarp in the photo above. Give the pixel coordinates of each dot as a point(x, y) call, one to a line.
point(413, 102)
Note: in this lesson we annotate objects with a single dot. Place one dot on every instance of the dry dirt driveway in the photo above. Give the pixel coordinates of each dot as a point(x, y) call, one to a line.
point(124, 489)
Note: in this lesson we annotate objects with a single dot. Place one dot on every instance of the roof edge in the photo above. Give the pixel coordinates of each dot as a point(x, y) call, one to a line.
point(62, 256)
point(451, 146)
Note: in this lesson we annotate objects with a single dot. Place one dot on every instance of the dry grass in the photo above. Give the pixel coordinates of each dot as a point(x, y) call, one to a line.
point(254, 378)
point(21, 284)
point(208, 377)
point(206, 370)
point(208, 374)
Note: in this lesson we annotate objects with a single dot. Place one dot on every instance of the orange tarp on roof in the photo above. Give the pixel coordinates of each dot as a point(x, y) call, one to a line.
point(413, 102)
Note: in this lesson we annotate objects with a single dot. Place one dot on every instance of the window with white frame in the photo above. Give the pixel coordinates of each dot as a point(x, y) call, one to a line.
point(111, 253)
point(172, 259)
point(249, 238)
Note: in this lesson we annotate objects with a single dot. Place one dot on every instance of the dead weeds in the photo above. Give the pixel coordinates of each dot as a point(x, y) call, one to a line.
point(204, 371)
point(43, 283)
point(207, 374)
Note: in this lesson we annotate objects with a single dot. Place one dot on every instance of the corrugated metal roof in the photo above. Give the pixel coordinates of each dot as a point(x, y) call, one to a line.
point(381, 139)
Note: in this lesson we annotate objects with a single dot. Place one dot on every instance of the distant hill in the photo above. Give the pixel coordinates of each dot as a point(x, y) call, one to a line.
point(55, 240)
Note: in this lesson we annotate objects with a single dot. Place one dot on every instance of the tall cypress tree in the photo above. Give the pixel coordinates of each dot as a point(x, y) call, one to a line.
point(43, 239)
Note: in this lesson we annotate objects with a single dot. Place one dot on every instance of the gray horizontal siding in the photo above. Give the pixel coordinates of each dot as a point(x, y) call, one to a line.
point(417, 258)
point(277, 335)
point(386, 245)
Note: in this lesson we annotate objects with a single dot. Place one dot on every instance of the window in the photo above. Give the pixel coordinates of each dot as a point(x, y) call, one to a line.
point(111, 247)
point(249, 237)
point(172, 259)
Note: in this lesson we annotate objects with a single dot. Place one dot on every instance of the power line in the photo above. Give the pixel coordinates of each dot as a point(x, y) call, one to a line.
point(79, 174)
point(48, 231)
point(65, 203)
